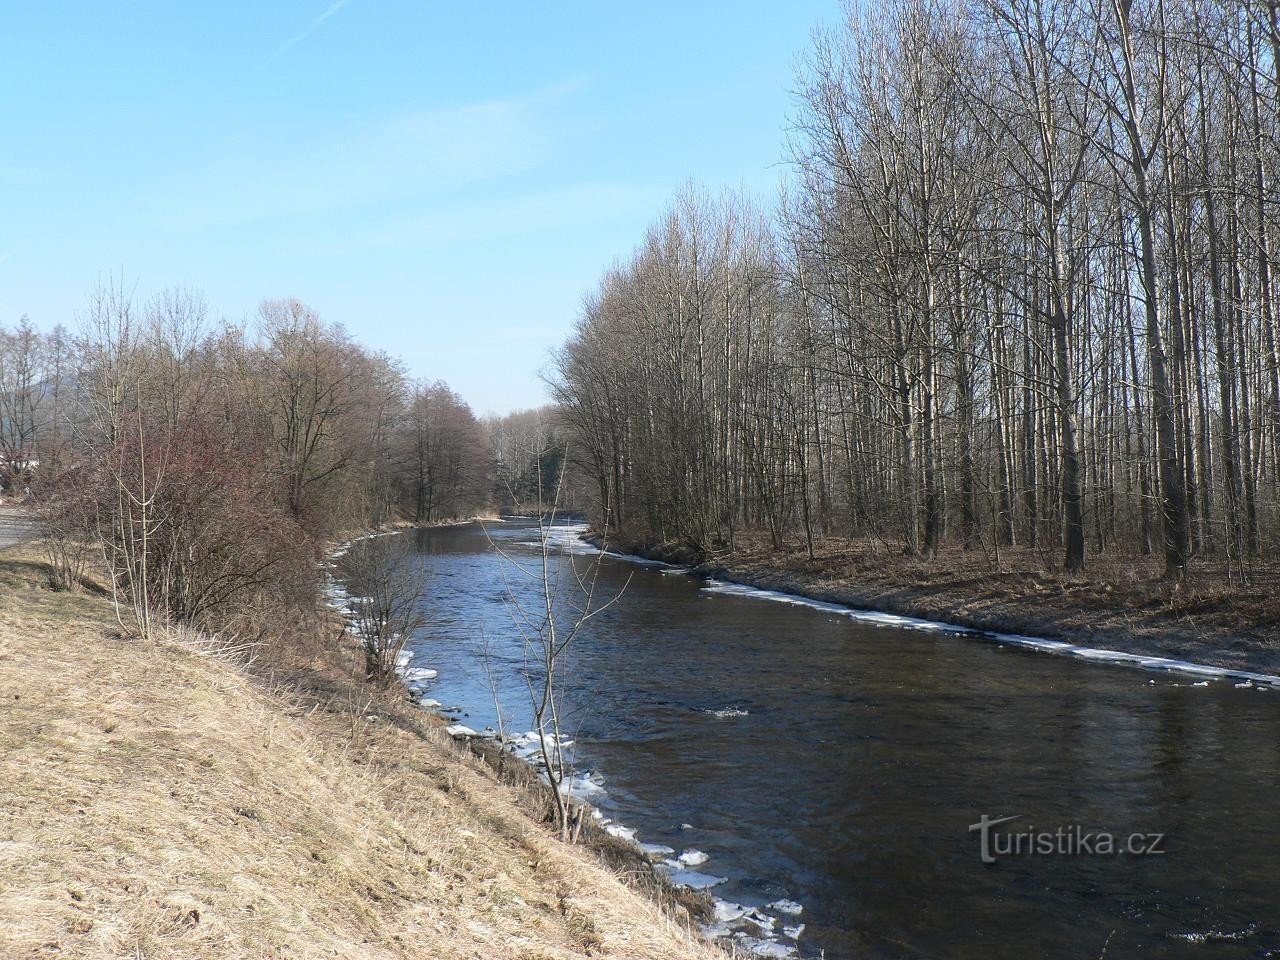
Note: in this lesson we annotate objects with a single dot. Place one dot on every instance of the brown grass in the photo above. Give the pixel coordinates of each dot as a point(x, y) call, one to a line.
point(157, 801)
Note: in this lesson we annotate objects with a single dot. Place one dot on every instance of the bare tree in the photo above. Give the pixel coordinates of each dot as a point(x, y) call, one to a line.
point(1022, 282)
point(564, 598)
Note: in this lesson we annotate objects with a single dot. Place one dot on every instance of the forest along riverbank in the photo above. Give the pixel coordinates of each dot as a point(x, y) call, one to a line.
point(821, 771)
point(1118, 606)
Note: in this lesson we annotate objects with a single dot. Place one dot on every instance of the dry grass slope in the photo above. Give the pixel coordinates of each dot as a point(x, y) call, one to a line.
point(157, 802)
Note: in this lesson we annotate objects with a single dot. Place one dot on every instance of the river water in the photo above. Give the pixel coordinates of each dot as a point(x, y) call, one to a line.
point(840, 764)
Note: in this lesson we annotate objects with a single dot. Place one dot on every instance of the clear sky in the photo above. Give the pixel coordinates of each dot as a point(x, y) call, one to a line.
point(445, 179)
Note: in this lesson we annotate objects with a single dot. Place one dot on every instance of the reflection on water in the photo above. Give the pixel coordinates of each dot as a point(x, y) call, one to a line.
point(839, 765)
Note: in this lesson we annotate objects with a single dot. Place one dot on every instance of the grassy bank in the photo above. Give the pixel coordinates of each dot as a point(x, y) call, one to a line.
point(1119, 604)
point(161, 800)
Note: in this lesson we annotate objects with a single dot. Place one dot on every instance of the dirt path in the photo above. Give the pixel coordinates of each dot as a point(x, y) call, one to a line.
point(16, 525)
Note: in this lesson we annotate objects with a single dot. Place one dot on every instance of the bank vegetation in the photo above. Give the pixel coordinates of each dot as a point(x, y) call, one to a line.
point(1017, 303)
point(169, 798)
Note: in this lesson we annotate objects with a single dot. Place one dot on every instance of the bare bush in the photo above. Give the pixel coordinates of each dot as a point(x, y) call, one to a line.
point(66, 528)
point(385, 586)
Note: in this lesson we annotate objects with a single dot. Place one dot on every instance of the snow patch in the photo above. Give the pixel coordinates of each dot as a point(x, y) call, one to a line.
point(762, 920)
point(765, 948)
point(656, 851)
point(565, 537)
point(691, 878)
point(583, 787)
point(752, 930)
point(879, 618)
point(726, 911)
point(568, 538)
point(789, 907)
point(637, 560)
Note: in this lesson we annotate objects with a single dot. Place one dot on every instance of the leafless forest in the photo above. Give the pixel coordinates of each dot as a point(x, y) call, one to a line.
point(1019, 290)
point(205, 464)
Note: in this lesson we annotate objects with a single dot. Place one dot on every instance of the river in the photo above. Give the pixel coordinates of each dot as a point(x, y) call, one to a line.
point(840, 765)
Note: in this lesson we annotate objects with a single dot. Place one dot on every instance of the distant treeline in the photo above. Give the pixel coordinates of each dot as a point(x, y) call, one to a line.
point(205, 464)
point(1019, 290)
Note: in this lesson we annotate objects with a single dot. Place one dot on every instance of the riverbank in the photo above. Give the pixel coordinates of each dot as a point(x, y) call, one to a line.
point(163, 800)
point(1119, 605)
point(512, 759)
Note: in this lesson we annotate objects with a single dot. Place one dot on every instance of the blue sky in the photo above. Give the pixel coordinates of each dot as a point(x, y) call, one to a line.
point(446, 180)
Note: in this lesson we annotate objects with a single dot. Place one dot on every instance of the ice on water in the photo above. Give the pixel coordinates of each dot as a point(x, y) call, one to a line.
point(691, 878)
point(879, 618)
point(656, 850)
point(765, 948)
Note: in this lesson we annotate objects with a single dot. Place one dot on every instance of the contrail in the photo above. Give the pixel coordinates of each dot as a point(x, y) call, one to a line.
point(329, 11)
